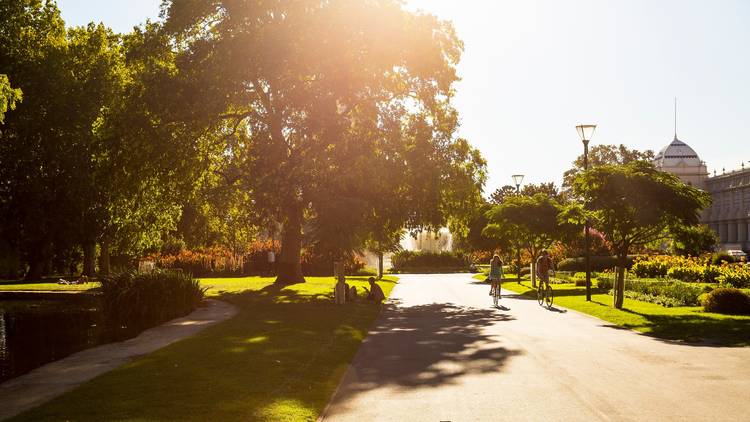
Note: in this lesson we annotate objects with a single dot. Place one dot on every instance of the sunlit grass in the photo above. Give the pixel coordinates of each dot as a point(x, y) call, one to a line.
point(11, 286)
point(279, 359)
point(685, 323)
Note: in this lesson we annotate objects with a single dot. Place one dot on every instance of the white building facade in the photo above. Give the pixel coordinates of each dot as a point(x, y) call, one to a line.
point(729, 213)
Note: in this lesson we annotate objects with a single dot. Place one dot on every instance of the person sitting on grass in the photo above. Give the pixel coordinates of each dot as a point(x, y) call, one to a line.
point(375, 293)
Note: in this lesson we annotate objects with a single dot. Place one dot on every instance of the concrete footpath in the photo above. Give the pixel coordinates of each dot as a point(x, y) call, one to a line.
point(49, 381)
point(441, 352)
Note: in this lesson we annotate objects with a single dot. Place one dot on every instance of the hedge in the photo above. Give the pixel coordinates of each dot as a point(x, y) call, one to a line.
point(426, 261)
point(598, 263)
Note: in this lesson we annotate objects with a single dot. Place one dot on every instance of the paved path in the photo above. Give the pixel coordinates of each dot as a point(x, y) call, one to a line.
point(439, 352)
point(49, 381)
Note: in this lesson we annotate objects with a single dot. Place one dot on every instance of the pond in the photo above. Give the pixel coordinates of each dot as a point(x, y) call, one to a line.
point(36, 332)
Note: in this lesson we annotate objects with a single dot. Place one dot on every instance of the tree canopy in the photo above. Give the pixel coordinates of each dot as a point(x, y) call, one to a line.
point(603, 154)
point(635, 204)
point(317, 97)
point(531, 222)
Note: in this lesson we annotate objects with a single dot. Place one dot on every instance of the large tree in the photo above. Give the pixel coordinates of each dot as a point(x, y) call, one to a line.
point(319, 95)
point(84, 159)
point(635, 204)
point(529, 221)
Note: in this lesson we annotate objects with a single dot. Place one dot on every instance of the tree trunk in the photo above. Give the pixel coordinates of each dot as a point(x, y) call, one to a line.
point(380, 265)
point(290, 262)
point(89, 259)
point(619, 293)
point(36, 267)
point(104, 258)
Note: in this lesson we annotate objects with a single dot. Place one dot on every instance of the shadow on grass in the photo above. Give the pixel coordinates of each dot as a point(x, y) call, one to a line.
point(697, 330)
point(279, 358)
point(425, 346)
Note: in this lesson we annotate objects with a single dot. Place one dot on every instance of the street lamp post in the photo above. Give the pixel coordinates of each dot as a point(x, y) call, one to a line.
point(517, 179)
point(586, 132)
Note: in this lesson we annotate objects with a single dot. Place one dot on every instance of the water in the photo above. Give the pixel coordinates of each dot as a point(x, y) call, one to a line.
point(35, 332)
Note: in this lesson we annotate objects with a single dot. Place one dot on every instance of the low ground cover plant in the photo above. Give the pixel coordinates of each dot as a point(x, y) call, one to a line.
point(693, 269)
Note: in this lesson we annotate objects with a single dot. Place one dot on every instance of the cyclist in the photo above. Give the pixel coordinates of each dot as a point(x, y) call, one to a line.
point(496, 273)
point(543, 267)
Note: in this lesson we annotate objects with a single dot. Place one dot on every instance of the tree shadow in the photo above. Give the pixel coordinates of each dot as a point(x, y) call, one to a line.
point(425, 346)
point(696, 329)
point(283, 350)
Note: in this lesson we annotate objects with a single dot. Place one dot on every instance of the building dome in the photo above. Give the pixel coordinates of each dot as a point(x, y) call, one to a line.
point(677, 154)
point(682, 161)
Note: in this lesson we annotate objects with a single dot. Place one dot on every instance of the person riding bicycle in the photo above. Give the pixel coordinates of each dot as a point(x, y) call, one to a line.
point(543, 266)
point(496, 273)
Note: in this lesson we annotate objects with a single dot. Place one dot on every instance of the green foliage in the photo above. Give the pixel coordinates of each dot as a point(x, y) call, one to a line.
point(150, 299)
point(8, 97)
point(531, 222)
point(604, 283)
point(369, 135)
point(686, 273)
point(727, 301)
point(735, 276)
point(693, 240)
point(600, 155)
point(411, 260)
point(721, 258)
point(679, 293)
point(598, 263)
point(635, 204)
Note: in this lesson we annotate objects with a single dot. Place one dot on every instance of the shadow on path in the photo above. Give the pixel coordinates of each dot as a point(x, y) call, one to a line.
point(426, 346)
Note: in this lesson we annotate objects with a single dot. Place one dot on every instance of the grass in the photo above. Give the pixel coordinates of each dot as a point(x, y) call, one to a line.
point(279, 359)
point(684, 323)
point(45, 286)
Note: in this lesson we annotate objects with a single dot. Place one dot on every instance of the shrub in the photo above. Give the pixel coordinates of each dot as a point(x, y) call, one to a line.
point(721, 258)
point(727, 301)
point(148, 299)
point(711, 273)
point(652, 267)
point(684, 294)
point(686, 272)
point(598, 263)
point(428, 260)
point(605, 282)
point(737, 276)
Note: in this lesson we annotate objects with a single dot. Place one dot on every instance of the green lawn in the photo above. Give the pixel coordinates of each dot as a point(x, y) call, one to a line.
point(279, 359)
point(679, 323)
point(45, 286)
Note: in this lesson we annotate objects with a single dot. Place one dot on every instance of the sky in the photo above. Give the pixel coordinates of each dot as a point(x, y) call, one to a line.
point(532, 70)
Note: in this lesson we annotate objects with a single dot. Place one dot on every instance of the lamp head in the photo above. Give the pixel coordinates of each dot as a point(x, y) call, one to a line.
point(517, 179)
point(585, 132)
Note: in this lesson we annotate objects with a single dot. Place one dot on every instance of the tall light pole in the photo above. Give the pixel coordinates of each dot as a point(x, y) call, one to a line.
point(517, 179)
point(586, 132)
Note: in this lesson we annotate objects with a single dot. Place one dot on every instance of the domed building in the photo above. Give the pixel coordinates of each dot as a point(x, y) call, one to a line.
point(729, 213)
point(682, 161)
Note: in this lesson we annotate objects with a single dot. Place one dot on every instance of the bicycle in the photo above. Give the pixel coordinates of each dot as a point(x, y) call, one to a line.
point(496, 294)
point(544, 294)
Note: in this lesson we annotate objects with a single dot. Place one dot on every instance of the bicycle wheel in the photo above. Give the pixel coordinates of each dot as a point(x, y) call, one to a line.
point(540, 295)
point(549, 297)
